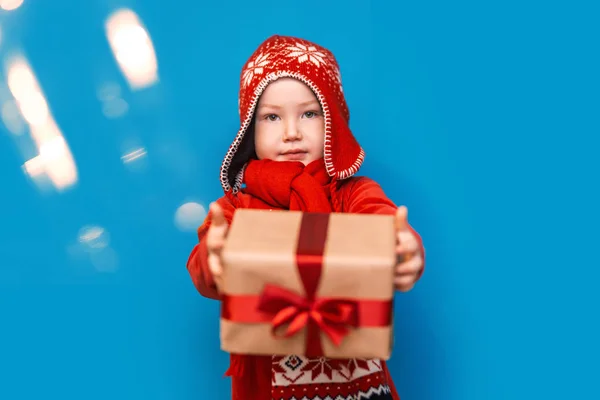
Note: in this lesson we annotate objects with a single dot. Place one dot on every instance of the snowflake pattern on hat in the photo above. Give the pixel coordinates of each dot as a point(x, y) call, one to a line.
point(255, 68)
point(306, 53)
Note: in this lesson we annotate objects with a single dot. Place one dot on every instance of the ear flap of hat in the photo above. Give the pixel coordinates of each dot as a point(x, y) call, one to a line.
point(343, 154)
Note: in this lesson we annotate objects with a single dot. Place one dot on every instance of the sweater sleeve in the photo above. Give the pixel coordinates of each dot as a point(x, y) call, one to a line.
point(365, 196)
point(197, 264)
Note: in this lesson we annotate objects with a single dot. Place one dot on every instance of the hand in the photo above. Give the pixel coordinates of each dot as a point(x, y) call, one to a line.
point(408, 251)
point(215, 240)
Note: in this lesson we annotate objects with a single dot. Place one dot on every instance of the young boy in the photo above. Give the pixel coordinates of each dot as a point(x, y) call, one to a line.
point(295, 151)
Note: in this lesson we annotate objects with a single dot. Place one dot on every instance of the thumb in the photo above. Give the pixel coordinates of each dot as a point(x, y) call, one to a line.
point(402, 218)
point(218, 217)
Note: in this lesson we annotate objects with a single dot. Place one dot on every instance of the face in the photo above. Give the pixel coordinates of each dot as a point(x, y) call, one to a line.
point(289, 123)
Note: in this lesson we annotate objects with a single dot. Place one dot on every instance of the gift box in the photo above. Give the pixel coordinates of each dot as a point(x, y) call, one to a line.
point(308, 284)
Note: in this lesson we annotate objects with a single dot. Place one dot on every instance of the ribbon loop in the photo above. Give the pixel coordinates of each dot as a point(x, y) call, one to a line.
point(333, 317)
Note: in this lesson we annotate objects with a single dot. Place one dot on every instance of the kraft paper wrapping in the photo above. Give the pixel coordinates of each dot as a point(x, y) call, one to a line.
point(359, 260)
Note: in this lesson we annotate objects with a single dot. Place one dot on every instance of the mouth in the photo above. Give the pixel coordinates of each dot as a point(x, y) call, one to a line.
point(294, 151)
point(294, 154)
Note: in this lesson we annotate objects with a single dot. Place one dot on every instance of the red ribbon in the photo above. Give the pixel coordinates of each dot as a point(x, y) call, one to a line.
point(282, 307)
point(332, 316)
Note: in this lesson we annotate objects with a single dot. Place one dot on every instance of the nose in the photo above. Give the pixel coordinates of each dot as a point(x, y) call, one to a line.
point(292, 133)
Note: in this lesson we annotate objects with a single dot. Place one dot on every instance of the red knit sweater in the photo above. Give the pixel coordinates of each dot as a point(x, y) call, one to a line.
point(296, 377)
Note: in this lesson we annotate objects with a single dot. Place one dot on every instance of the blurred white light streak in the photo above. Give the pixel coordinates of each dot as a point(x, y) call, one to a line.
point(134, 155)
point(132, 47)
point(55, 159)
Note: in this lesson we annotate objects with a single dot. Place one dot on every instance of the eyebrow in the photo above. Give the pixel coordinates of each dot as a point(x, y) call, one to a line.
point(306, 103)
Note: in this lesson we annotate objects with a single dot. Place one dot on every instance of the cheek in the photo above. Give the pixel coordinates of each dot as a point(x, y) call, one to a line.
point(258, 146)
point(263, 144)
point(316, 132)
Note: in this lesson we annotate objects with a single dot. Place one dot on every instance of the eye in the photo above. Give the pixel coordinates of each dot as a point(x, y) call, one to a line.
point(310, 114)
point(271, 117)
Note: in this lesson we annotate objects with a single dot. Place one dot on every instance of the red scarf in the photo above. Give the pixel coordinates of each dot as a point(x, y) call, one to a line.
point(288, 185)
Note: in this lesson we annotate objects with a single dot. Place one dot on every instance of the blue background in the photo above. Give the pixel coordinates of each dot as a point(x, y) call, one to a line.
point(481, 117)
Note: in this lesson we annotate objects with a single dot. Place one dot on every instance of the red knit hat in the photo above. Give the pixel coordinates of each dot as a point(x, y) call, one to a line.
point(285, 56)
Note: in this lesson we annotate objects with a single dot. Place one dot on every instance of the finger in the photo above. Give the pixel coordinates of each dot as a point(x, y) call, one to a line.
point(407, 243)
point(411, 267)
point(404, 284)
point(218, 217)
point(402, 218)
point(215, 266)
point(215, 240)
point(217, 271)
point(219, 284)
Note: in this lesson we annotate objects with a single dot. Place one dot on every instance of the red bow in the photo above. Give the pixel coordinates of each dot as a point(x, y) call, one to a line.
point(332, 316)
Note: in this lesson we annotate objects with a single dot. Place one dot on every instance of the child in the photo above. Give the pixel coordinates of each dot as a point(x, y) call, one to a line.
point(295, 151)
